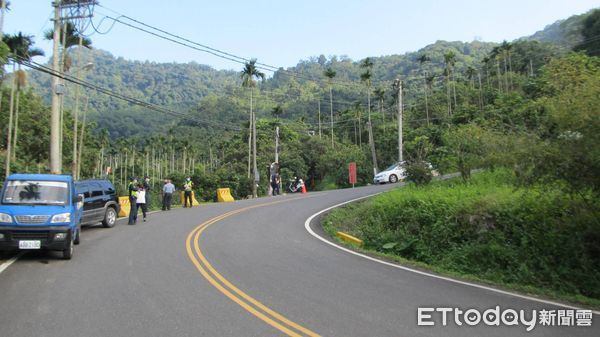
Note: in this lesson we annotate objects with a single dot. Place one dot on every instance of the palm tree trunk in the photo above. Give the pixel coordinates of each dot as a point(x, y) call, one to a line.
point(254, 168)
point(81, 138)
point(14, 147)
point(371, 139)
point(498, 75)
point(454, 90)
point(331, 112)
point(249, 138)
point(359, 129)
point(510, 71)
point(426, 103)
point(75, 115)
point(448, 93)
point(480, 92)
point(319, 109)
point(505, 73)
point(10, 123)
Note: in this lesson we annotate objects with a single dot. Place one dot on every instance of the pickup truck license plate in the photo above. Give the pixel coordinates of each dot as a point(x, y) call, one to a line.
point(29, 244)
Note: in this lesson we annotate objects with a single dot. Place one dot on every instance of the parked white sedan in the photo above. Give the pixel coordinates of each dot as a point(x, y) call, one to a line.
point(391, 174)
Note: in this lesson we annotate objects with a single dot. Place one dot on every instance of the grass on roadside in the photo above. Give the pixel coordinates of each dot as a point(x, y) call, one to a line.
point(537, 240)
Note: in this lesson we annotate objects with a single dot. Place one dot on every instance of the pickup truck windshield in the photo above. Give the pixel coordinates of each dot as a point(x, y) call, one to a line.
point(32, 192)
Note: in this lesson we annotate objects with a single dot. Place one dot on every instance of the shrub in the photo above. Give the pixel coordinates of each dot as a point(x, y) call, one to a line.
point(418, 173)
point(536, 236)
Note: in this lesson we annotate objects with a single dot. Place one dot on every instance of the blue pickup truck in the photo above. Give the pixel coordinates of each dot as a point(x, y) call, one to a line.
point(40, 211)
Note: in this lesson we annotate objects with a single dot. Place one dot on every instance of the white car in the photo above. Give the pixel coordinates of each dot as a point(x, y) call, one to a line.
point(391, 174)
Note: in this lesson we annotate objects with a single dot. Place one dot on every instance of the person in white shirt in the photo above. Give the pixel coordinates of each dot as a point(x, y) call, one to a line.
point(141, 201)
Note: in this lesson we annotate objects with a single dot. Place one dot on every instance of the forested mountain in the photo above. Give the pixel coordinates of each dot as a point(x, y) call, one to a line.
point(216, 95)
point(172, 85)
point(202, 90)
point(451, 92)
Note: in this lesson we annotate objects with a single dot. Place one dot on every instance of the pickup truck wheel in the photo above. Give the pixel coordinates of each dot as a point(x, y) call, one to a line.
point(110, 217)
point(393, 178)
point(68, 253)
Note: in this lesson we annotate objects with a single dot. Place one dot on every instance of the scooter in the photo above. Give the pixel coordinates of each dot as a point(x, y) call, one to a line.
point(295, 185)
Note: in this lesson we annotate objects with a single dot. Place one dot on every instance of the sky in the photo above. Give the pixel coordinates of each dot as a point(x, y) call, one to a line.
point(281, 33)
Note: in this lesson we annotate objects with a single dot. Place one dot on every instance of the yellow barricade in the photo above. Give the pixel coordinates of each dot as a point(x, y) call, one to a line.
point(194, 201)
point(224, 195)
point(125, 206)
point(349, 238)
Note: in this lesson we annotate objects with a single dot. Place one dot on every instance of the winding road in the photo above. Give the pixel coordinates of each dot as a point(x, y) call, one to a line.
point(249, 268)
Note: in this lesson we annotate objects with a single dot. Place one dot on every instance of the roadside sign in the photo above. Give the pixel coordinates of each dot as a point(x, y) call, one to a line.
point(352, 173)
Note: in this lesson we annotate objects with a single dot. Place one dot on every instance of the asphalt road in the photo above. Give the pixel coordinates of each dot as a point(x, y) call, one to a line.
point(248, 268)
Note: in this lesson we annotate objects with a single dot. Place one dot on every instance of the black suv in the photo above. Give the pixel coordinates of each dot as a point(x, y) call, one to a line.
point(100, 202)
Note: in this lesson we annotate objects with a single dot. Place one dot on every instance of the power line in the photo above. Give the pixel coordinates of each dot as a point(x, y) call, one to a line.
point(154, 107)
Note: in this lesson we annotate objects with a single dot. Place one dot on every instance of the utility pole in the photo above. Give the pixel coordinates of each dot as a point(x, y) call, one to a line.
point(2, 12)
point(398, 85)
point(55, 160)
point(79, 9)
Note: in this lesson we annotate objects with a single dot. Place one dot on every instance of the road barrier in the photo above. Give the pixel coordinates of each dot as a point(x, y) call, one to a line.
point(224, 195)
point(194, 201)
point(125, 206)
point(349, 238)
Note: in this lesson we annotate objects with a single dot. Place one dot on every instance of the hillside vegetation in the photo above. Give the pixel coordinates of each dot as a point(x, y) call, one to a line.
point(453, 94)
point(536, 238)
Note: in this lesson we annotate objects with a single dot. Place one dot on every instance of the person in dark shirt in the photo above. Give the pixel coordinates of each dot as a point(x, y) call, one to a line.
point(132, 191)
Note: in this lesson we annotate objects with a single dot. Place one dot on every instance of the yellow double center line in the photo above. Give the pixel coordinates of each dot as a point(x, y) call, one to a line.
point(244, 300)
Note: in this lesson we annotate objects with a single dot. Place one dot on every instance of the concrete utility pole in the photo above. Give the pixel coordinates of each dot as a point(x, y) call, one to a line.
point(55, 160)
point(2, 12)
point(398, 84)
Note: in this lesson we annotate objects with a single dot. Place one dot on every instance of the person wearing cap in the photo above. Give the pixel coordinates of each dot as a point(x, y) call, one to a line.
point(187, 192)
point(132, 189)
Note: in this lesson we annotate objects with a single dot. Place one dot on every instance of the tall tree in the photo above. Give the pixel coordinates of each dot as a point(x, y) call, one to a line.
point(330, 74)
point(450, 60)
point(423, 58)
point(590, 31)
point(70, 36)
point(380, 96)
point(367, 64)
point(248, 74)
point(21, 50)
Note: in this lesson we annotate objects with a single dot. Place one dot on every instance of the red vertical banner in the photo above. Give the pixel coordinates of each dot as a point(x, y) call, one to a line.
point(352, 173)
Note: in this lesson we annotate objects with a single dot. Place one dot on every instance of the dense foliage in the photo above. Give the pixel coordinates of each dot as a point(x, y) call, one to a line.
point(537, 236)
point(461, 101)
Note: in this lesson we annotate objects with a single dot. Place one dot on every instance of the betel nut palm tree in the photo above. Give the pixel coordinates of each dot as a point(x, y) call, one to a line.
point(330, 74)
point(367, 64)
point(21, 50)
point(248, 76)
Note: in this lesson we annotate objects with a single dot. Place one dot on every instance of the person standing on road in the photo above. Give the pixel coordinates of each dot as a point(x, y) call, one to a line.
point(275, 184)
point(187, 192)
point(132, 189)
point(142, 201)
point(147, 189)
point(168, 191)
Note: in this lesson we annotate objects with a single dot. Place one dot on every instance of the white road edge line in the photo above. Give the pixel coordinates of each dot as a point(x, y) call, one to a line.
point(474, 285)
point(7, 264)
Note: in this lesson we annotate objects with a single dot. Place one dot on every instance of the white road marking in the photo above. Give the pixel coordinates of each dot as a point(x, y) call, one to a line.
point(7, 264)
point(474, 285)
